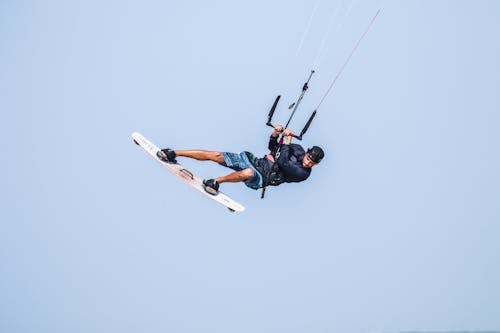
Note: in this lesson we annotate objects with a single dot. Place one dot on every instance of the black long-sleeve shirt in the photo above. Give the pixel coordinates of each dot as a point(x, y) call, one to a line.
point(287, 168)
point(290, 163)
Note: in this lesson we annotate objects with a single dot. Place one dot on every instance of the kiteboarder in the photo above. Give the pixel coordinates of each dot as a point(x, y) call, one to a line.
point(286, 162)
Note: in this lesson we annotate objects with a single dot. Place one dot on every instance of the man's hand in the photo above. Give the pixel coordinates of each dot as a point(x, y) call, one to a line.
point(288, 134)
point(277, 130)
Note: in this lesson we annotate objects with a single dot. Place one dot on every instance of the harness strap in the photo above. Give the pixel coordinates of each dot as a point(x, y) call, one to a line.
point(271, 158)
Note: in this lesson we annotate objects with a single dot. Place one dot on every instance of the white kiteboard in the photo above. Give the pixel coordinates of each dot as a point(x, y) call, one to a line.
point(185, 175)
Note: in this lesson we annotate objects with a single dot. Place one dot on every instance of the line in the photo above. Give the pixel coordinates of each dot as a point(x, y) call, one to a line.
point(348, 59)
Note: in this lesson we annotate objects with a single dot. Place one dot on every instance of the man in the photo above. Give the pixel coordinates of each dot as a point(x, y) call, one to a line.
point(286, 163)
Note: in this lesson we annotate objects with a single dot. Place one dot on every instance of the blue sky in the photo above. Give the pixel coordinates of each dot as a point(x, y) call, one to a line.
point(397, 229)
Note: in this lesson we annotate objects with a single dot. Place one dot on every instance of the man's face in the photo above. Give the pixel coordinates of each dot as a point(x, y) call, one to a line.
point(307, 162)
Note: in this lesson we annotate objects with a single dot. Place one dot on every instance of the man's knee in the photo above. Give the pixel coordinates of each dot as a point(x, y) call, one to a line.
point(247, 173)
point(217, 156)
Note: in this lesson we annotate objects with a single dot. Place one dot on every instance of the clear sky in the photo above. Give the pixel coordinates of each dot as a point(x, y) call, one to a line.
point(397, 229)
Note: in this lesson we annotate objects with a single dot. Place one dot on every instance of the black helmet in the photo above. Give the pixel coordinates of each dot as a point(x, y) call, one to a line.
point(316, 154)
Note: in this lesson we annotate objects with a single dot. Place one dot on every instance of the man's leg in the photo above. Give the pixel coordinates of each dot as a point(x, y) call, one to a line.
point(212, 185)
point(237, 176)
point(201, 155)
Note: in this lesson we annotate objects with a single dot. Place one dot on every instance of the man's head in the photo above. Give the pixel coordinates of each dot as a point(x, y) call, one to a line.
point(312, 157)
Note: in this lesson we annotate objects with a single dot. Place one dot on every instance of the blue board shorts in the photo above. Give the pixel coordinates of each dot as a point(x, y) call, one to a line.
point(240, 162)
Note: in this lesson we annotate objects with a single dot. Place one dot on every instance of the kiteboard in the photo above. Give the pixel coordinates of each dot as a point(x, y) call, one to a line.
point(185, 175)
